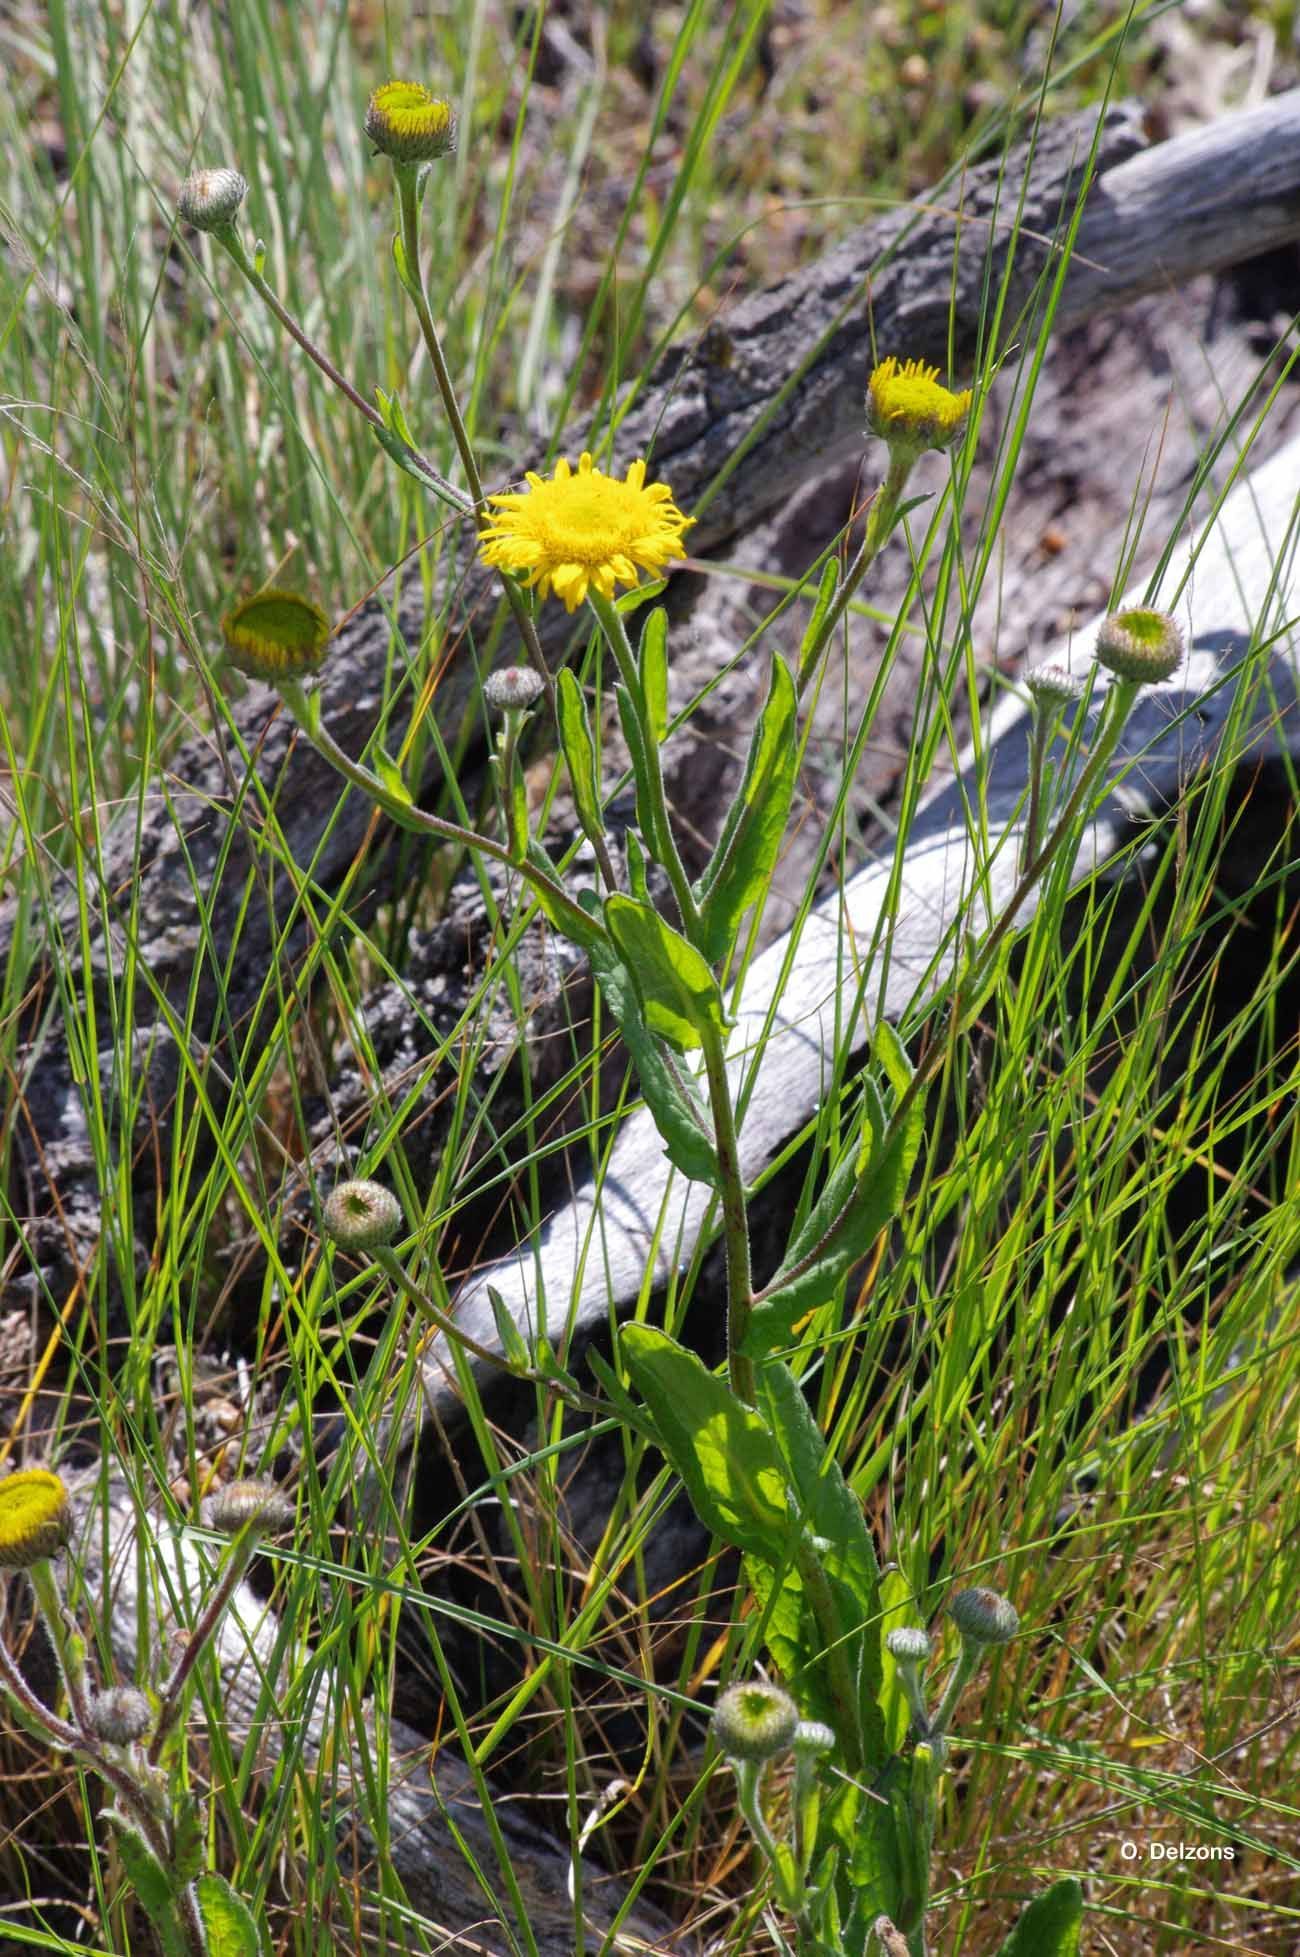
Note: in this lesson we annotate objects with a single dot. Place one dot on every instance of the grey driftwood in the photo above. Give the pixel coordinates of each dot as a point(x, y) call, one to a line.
point(797, 354)
point(866, 955)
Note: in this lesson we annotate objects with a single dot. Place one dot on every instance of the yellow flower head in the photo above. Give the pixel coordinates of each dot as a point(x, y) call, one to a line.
point(276, 635)
point(407, 123)
point(34, 1517)
point(908, 408)
point(585, 530)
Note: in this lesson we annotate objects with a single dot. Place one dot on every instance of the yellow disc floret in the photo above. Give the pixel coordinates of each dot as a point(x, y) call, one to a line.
point(406, 122)
point(574, 532)
point(909, 408)
point(276, 635)
point(34, 1517)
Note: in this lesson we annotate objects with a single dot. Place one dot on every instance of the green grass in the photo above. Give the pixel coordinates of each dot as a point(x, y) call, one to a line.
point(1072, 1375)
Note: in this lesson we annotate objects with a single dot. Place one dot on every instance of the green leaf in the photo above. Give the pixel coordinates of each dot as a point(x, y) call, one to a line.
point(391, 776)
point(678, 992)
point(188, 1846)
point(674, 1106)
point(636, 872)
point(579, 753)
point(1051, 1925)
point(654, 673)
point(513, 1345)
point(719, 1447)
point(647, 811)
point(640, 594)
point(229, 1923)
point(851, 1211)
point(865, 1827)
point(833, 1513)
point(566, 919)
point(755, 825)
point(152, 1884)
point(826, 590)
point(517, 790)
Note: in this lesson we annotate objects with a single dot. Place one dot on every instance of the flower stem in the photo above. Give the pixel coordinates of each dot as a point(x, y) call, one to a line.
point(412, 276)
point(880, 522)
point(173, 1692)
point(420, 821)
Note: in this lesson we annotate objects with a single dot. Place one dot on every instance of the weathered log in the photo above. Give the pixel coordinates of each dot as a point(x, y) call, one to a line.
point(429, 1799)
point(859, 958)
point(801, 349)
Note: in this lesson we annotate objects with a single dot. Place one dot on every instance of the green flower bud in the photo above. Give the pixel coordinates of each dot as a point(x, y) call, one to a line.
point(210, 199)
point(120, 1716)
point(909, 1645)
point(405, 122)
point(512, 689)
point(361, 1215)
point(811, 1736)
point(983, 1617)
point(1143, 645)
point(755, 1721)
point(256, 1504)
point(35, 1517)
point(276, 635)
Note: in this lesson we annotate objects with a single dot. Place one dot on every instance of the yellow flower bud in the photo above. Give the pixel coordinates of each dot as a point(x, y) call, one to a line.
point(405, 122)
point(35, 1517)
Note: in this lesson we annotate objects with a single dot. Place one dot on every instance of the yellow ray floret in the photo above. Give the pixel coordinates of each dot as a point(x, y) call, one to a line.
point(907, 405)
point(574, 532)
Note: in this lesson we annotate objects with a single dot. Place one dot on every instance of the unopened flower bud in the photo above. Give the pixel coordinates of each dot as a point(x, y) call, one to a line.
point(1143, 645)
point(361, 1215)
point(755, 1721)
point(276, 635)
point(512, 689)
point(120, 1716)
point(35, 1517)
point(812, 1736)
point(984, 1617)
point(210, 199)
point(405, 122)
point(1051, 686)
point(908, 1645)
point(254, 1504)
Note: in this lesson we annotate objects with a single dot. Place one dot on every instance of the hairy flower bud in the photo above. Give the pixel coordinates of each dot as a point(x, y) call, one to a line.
point(512, 688)
point(361, 1215)
point(210, 199)
point(1051, 686)
point(254, 1504)
point(908, 1646)
point(120, 1716)
point(35, 1517)
point(755, 1721)
point(405, 122)
point(1143, 645)
point(984, 1617)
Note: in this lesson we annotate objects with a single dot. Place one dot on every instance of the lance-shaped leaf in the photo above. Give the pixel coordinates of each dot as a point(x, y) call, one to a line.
point(679, 994)
point(579, 753)
point(863, 1194)
point(654, 673)
point(755, 826)
point(674, 1106)
point(228, 1923)
point(826, 590)
point(1051, 1925)
point(647, 811)
point(570, 919)
point(834, 1514)
point(719, 1447)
